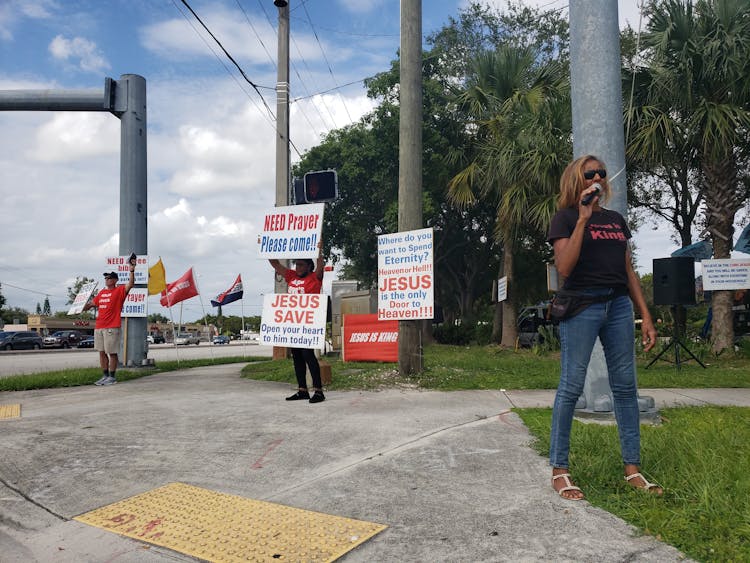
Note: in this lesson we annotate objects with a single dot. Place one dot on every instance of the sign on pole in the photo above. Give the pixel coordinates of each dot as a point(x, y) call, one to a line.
point(136, 303)
point(82, 298)
point(405, 276)
point(726, 274)
point(502, 289)
point(121, 265)
point(292, 232)
point(294, 320)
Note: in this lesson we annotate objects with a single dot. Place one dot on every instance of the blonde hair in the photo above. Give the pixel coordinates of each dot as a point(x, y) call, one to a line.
point(572, 182)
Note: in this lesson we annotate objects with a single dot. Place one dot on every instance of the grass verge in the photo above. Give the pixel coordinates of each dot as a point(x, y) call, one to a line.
point(86, 376)
point(452, 368)
point(700, 455)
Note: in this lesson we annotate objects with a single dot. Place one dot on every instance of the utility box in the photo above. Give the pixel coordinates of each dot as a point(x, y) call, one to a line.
point(339, 288)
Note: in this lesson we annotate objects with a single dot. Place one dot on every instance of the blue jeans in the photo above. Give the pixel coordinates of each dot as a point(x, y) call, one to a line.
point(612, 322)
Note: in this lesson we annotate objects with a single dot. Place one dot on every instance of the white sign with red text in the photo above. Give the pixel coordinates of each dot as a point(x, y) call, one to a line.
point(135, 303)
point(82, 298)
point(121, 265)
point(294, 320)
point(726, 273)
point(292, 232)
point(405, 276)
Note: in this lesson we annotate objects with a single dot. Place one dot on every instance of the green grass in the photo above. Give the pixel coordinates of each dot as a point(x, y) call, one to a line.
point(451, 368)
point(86, 376)
point(700, 455)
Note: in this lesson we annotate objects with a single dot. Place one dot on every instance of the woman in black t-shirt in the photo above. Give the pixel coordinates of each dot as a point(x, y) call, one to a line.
point(592, 256)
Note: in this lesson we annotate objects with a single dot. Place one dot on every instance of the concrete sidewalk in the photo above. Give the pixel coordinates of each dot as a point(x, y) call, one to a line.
point(451, 474)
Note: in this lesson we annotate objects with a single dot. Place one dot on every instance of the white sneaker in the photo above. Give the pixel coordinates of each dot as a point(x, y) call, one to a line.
point(101, 380)
point(109, 380)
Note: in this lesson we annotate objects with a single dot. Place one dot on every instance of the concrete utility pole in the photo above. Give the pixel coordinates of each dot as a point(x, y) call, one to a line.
point(410, 162)
point(282, 134)
point(596, 94)
point(126, 99)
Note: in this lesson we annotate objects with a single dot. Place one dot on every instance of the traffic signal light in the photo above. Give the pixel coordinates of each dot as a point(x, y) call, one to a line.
point(321, 186)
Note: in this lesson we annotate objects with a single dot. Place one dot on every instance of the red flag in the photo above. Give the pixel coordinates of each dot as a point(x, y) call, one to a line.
point(179, 290)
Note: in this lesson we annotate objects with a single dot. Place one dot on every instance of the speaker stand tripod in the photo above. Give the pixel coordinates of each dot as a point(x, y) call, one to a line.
point(675, 343)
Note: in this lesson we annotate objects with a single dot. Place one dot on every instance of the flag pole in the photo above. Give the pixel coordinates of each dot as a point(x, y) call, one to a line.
point(205, 322)
point(242, 312)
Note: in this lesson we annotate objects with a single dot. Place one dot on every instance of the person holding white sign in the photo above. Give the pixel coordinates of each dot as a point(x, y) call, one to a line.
point(109, 302)
point(306, 278)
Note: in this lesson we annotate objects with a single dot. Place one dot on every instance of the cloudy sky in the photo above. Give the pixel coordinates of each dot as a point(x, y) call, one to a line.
point(210, 139)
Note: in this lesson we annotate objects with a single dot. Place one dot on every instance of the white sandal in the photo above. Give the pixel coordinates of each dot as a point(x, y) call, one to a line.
point(646, 485)
point(568, 486)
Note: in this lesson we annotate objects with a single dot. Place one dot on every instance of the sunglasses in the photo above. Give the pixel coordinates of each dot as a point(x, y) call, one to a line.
point(589, 174)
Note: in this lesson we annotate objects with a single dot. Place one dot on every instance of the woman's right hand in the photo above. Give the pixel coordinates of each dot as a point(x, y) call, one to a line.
point(585, 211)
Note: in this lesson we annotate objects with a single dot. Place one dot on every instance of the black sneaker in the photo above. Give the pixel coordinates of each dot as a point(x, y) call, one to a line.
point(299, 396)
point(317, 397)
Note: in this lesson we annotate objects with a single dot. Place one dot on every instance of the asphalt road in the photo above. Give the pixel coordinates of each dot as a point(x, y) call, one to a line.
point(34, 361)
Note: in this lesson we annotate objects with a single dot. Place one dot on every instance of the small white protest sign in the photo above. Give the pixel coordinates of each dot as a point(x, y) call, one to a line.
point(405, 275)
point(292, 232)
point(82, 298)
point(136, 303)
point(294, 320)
point(121, 265)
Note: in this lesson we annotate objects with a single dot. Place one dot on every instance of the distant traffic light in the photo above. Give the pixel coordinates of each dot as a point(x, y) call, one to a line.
point(321, 186)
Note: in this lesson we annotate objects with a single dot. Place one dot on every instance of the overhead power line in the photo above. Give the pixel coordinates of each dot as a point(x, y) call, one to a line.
point(255, 86)
point(230, 57)
point(315, 33)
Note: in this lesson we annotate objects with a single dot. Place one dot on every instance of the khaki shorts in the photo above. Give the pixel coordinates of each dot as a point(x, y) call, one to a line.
point(107, 340)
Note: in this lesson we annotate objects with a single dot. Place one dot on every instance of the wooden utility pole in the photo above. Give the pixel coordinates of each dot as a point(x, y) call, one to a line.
point(410, 163)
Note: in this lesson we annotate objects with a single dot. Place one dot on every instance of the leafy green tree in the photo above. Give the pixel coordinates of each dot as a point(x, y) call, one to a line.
point(46, 309)
point(38, 308)
point(2, 298)
point(522, 144)
point(697, 108)
point(13, 314)
point(157, 318)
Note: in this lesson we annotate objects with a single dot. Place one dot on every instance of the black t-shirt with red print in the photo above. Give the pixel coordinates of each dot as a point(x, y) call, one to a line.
point(601, 263)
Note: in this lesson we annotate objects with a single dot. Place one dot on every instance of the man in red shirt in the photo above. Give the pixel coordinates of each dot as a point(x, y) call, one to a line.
point(307, 277)
point(109, 302)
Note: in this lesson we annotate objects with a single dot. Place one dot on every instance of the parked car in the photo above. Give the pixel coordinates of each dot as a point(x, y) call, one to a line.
point(185, 338)
point(87, 342)
point(63, 339)
point(21, 340)
point(157, 339)
point(221, 339)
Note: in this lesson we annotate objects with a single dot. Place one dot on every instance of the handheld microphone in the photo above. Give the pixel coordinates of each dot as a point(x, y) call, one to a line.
point(589, 197)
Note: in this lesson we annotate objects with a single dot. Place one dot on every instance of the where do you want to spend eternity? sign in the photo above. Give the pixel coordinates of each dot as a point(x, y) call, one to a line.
point(405, 276)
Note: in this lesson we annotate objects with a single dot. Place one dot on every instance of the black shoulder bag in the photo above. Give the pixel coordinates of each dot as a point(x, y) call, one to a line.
point(567, 303)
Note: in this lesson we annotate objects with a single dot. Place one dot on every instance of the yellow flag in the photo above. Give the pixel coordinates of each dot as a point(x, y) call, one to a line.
point(157, 278)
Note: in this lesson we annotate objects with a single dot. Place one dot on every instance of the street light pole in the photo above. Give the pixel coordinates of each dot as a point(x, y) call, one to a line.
point(596, 95)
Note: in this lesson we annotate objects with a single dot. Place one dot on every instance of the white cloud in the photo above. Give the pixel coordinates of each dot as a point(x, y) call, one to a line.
point(14, 11)
point(178, 38)
point(83, 53)
point(71, 136)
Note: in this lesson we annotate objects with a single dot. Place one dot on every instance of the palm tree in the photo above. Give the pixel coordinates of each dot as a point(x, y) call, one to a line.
point(698, 100)
point(522, 111)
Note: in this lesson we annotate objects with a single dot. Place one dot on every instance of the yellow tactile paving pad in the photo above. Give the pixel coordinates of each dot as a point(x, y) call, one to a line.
point(10, 411)
point(223, 528)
